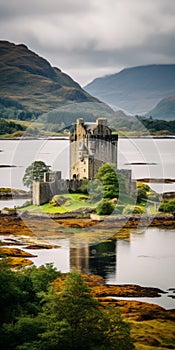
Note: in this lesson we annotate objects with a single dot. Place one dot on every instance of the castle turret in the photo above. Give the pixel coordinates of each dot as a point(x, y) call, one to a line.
point(83, 151)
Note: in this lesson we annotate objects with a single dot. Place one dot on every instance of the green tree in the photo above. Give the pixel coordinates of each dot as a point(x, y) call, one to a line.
point(7, 127)
point(73, 318)
point(112, 181)
point(35, 171)
point(68, 316)
point(10, 293)
point(42, 276)
point(118, 332)
point(20, 304)
point(65, 316)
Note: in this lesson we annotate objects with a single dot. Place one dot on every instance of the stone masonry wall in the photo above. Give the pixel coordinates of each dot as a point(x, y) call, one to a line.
point(44, 191)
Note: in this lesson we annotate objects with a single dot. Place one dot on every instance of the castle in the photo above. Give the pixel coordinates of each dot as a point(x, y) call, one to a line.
point(91, 145)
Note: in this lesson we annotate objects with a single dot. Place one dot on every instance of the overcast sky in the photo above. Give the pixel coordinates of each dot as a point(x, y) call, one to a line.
point(91, 38)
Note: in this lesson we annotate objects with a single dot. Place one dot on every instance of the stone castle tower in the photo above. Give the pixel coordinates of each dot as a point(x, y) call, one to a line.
point(91, 145)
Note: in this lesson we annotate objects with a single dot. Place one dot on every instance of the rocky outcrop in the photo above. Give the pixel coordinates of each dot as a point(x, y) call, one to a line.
point(15, 252)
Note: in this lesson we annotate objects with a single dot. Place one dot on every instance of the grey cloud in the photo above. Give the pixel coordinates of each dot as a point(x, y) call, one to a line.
point(93, 37)
point(17, 8)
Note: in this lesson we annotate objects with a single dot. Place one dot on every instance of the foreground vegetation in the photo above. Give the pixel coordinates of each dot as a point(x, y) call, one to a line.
point(37, 314)
point(44, 309)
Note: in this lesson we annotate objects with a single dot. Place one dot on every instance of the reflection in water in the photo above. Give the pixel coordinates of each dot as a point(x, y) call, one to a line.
point(79, 258)
point(103, 259)
point(99, 259)
point(147, 259)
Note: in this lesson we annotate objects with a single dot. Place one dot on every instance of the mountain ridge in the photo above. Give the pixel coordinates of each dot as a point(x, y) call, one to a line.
point(164, 110)
point(29, 80)
point(135, 89)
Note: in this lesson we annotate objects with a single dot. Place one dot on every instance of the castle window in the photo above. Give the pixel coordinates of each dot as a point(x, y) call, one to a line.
point(84, 162)
point(84, 170)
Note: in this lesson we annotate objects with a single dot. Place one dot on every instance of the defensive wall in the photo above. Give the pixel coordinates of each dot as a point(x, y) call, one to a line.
point(53, 184)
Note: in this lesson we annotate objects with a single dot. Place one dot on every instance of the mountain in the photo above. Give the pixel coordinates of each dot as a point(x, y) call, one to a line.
point(165, 109)
point(64, 116)
point(135, 90)
point(28, 82)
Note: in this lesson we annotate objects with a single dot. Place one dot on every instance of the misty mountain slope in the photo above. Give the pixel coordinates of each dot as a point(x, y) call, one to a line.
point(64, 116)
point(165, 109)
point(136, 90)
point(28, 81)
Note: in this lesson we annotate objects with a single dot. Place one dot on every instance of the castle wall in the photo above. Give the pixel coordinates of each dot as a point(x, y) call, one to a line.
point(44, 191)
point(41, 192)
point(130, 184)
point(105, 152)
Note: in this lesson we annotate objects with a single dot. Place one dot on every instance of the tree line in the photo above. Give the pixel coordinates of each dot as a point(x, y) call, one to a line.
point(41, 309)
point(143, 125)
point(10, 127)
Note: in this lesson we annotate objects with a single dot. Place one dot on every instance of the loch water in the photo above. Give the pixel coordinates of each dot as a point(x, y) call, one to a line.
point(148, 258)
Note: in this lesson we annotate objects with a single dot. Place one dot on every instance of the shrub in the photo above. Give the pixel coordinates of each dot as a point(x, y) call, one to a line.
point(105, 207)
point(133, 209)
point(167, 207)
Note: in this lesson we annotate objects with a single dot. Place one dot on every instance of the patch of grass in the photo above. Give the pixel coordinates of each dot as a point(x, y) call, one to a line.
point(74, 202)
point(156, 334)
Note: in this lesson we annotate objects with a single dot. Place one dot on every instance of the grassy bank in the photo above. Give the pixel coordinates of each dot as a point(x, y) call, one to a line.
point(66, 203)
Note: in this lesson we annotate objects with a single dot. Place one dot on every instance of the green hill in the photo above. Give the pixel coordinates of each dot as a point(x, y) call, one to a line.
point(29, 84)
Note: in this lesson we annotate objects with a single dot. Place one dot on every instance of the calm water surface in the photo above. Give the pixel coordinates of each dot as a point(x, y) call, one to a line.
point(148, 259)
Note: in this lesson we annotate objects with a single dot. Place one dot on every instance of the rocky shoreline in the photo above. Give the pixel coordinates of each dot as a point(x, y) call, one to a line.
point(126, 221)
point(20, 234)
point(151, 325)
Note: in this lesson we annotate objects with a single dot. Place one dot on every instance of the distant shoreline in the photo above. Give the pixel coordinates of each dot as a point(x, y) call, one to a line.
point(50, 138)
point(53, 138)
